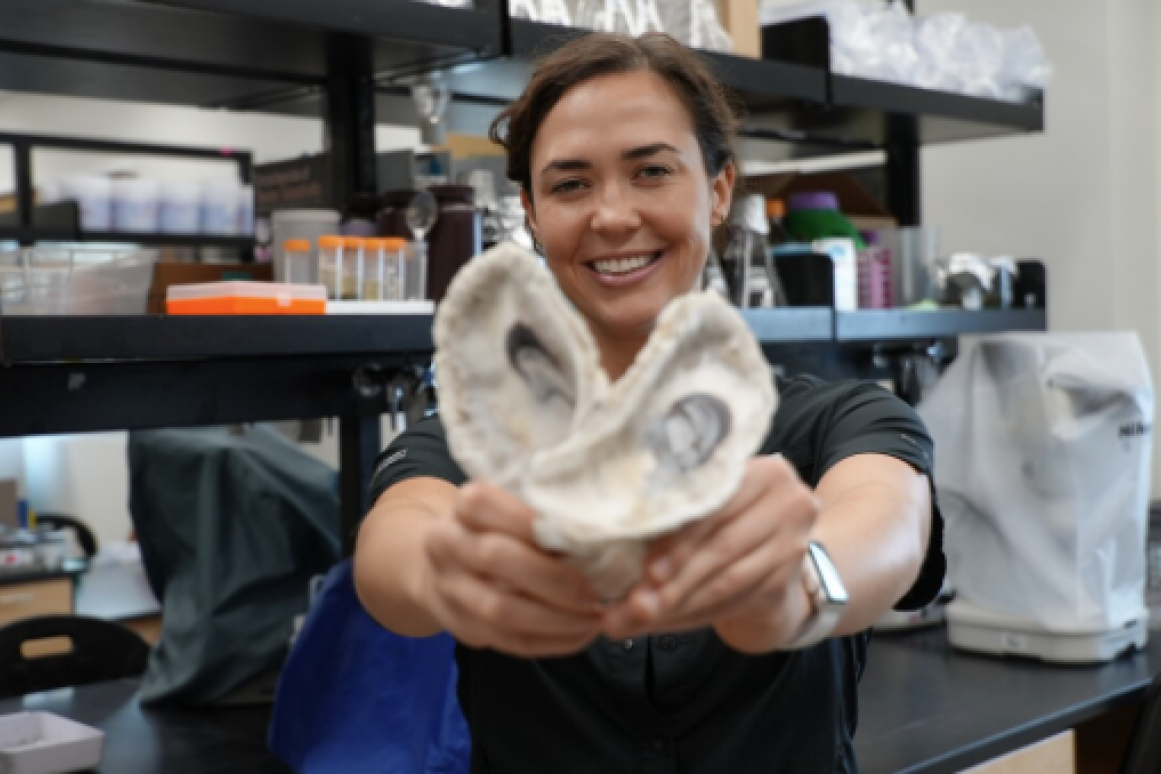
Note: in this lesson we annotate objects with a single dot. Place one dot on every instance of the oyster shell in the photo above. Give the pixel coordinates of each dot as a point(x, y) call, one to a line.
point(667, 445)
point(607, 467)
point(518, 369)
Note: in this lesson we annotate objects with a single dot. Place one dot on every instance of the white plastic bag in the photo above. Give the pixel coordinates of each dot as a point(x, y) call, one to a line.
point(1043, 446)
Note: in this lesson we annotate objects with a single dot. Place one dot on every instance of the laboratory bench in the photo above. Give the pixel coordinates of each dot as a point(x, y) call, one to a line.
point(924, 709)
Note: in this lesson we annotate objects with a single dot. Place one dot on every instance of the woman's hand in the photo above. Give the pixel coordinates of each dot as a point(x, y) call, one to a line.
point(739, 570)
point(490, 585)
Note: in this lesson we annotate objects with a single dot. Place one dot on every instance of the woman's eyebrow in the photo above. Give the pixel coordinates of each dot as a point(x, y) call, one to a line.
point(645, 151)
point(566, 165)
point(631, 154)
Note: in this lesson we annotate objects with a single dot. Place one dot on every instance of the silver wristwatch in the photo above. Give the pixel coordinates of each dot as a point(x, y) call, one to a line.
point(827, 595)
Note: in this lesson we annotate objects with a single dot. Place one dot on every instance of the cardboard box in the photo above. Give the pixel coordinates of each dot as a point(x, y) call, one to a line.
point(166, 274)
point(9, 512)
point(861, 208)
point(739, 18)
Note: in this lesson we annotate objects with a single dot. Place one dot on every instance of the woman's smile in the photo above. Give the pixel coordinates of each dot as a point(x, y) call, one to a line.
point(618, 270)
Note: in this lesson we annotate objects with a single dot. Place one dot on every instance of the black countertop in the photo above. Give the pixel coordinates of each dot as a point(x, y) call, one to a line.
point(926, 709)
point(13, 576)
point(929, 709)
point(161, 741)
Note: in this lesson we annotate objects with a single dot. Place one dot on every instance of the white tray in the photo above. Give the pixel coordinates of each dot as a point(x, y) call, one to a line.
point(970, 627)
point(44, 743)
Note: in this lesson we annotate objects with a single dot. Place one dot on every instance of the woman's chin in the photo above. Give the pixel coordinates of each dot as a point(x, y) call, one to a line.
point(636, 320)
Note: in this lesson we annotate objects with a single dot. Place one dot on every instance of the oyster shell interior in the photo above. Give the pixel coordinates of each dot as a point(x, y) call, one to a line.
point(606, 466)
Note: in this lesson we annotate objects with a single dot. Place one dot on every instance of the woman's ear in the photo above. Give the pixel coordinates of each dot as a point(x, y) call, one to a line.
point(529, 215)
point(722, 190)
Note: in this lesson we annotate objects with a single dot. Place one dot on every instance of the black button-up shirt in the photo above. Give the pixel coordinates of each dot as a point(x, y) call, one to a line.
point(687, 702)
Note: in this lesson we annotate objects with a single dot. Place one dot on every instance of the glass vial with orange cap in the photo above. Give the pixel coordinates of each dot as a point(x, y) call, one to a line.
point(297, 256)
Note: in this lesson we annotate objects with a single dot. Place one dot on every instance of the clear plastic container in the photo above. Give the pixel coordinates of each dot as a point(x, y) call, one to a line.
point(219, 206)
point(135, 205)
point(300, 224)
point(89, 281)
point(298, 256)
point(330, 265)
point(415, 272)
point(384, 263)
point(352, 273)
point(94, 198)
point(180, 207)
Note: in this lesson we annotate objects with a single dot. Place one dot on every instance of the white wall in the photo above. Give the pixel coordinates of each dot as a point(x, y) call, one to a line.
point(12, 459)
point(1082, 196)
point(86, 476)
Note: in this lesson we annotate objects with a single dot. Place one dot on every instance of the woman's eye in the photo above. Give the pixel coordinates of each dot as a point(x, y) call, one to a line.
point(654, 172)
point(567, 186)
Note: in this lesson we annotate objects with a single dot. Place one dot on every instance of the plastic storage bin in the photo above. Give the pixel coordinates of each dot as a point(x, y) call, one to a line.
point(237, 297)
point(52, 281)
point(44, 743)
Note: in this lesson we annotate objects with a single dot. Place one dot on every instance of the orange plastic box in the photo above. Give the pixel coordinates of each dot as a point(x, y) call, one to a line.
point(237, 297)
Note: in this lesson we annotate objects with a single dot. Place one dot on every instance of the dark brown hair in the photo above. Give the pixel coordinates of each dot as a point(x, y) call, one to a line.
point(711, 109)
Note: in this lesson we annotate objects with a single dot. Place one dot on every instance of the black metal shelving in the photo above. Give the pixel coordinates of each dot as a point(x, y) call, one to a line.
point(214, 53)
point(902, 324)
point(47, 338)
point(790, 324)
point(868, 110)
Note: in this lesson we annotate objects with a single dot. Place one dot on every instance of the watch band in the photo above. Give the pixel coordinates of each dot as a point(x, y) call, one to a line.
point(827, 597)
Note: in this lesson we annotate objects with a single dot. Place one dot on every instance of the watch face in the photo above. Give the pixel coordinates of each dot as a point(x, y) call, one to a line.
point(828, 577)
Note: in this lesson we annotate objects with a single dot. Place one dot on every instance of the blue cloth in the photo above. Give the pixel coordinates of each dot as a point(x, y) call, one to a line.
point(353, 697)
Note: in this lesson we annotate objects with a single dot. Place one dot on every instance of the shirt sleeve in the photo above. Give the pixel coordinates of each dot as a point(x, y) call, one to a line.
point(834, 421)
point(421, 450)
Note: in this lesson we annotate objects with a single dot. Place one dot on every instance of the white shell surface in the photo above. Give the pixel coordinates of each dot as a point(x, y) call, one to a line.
point(607, 467)
point(670, 442)
point(517, 367)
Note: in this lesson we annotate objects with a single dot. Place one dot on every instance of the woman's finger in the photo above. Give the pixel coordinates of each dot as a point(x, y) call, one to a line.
point(532, 573)
point(748, 587)
point(482, 507)
point(491, 608)
point(517, 564)
point(727, 592)
point(671, 552)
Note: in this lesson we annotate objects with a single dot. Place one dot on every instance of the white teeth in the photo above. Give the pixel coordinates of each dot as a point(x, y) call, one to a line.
point(623, 265)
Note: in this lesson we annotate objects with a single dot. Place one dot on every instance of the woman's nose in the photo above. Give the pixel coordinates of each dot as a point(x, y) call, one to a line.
point(614, 212)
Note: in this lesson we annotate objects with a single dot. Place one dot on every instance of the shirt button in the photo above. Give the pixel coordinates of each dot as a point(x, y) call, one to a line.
point(668, 642)
point(627, 645)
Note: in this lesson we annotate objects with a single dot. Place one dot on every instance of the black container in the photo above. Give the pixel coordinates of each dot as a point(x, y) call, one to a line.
point(456, 237)
point(392, 218)
point(807, 278)
point(360, 214)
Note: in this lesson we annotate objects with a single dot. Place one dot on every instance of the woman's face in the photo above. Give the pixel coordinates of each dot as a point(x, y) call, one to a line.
point(621, 200)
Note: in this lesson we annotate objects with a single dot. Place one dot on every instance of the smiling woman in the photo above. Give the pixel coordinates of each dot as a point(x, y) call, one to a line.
point(741, 647)
point(623, 152)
